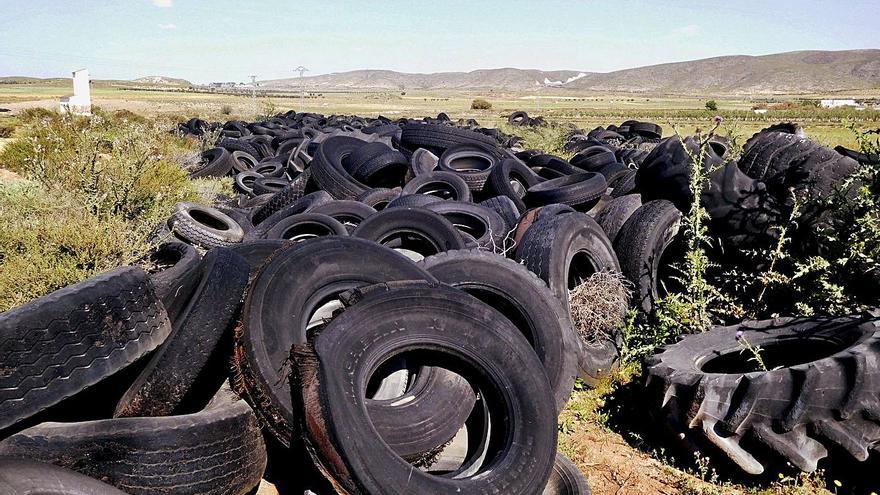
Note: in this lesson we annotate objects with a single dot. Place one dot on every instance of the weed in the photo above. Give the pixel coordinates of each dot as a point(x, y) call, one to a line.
point(480, 104)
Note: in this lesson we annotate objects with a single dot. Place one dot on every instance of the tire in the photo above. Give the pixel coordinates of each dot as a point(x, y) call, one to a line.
point(472, 163)
point(483, 226)
point(566, 479)
point(741, 211)
point(257, 252)
point(440, 137)
point(279, 305)
point(379, 198)
point(421, 162)
point(506, 208)
point(580, 191)
point(554, 163)
point(413, 201)
point(512, 178)
point(644, 245)
point(646, 129)
point(232, 145)
point(414, 229)
point(60, 344)
point(378, 165)
point(818, 399)
point(279, 200)
point(329, 173)
point(302, 205)
point(479, 337)
point(218, 450)
point(218, 163)
point(444, 185)
point(612, 217)
point(243, 161)
point(305, 226)
point(624, 185)
point(244, 181)
point(564, 250)
point(269, 185)
point(519, 118)
point(175, 284)
point(193, 358)
point(204, 226)
point(29, 477)
point(525, 300)
point(271, 169)
point(348, 213)
point(666, 171)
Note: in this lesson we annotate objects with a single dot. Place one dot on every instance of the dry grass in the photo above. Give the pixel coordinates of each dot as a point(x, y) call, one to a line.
point(599, 306)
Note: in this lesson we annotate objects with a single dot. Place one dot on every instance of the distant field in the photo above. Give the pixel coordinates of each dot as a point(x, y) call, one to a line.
point(585, 111)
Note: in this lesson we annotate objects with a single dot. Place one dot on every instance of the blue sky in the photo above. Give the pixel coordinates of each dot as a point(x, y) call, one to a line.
point(229, 40)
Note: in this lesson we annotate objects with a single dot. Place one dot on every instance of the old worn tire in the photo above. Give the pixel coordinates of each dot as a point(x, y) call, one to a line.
point(643, 249)
point(818, 399)
point(512, 178)
point(62, 343)
point(614, 214)
point(525, 300)
point(218, 163)
point(394, 227)
point(566, 479)
point(30, 477)
point(177, 275)
point(448, 323)
point(304, 226)
point(216, 451)
point(193, 358)
point(208, 227)
point(473, 163)
point(581, 191)
point(257, 252)
point(444, 185)
point(506, 208)
point(564, 250)
point(291, 286)
point(477, 224)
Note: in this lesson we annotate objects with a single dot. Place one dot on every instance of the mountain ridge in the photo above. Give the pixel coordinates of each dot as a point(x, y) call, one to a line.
point(789, 72)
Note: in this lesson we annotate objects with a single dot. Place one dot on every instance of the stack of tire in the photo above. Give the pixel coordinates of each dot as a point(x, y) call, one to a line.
point(390, 309)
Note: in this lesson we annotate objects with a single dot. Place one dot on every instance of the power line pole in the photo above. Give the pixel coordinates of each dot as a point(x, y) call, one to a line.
point(254, 89)
point(302, 88)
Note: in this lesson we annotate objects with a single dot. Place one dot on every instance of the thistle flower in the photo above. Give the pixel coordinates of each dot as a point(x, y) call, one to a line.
point(739, 335)
point(719, 119)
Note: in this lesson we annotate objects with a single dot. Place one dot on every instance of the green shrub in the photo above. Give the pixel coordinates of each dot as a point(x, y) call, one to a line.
point(480, 104)
point(711, 105)
point(93, 191)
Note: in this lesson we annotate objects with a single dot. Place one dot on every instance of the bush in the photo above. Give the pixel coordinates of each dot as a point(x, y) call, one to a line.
point(711, 105)
point(226, 109)
point(480, 104)
point(93, 191)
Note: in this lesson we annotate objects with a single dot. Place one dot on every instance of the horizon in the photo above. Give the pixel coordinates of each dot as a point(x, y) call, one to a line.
point(225, 41)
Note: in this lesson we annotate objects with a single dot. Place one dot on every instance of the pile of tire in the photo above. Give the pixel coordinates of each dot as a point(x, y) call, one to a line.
point(384, 305)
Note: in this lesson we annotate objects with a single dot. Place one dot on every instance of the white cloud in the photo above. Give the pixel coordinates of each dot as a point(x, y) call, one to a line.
point(167, 26)
point(163, 3)
point(689, 31)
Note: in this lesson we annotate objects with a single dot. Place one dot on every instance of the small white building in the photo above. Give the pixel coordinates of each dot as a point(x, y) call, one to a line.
point(839, 103)
point(81, 101)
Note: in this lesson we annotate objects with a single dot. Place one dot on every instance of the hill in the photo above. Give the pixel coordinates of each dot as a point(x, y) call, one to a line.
point(787, 73)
